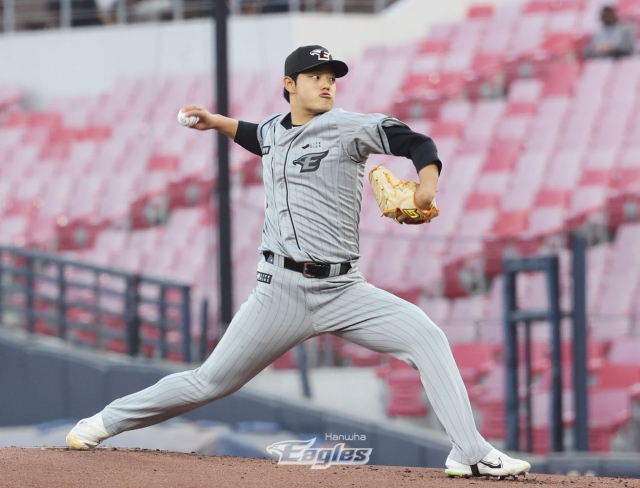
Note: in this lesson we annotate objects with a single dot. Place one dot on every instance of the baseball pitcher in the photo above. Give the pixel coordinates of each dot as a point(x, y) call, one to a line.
point(308, 281)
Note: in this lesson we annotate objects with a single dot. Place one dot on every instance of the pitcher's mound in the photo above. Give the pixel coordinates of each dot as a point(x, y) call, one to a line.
point(113, 468)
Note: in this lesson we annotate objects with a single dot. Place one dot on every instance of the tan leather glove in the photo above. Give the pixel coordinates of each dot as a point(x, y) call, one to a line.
point(395, 197)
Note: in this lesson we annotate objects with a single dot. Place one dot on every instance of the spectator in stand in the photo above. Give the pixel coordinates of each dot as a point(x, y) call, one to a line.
point(275, 6)
point(83, 13)
point(614, 40)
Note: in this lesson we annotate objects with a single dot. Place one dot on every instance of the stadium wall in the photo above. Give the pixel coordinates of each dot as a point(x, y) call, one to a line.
point(72, 62)
point(44, 379)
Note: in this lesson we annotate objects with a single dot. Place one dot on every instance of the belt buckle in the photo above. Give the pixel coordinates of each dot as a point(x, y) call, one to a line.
point(304, 270)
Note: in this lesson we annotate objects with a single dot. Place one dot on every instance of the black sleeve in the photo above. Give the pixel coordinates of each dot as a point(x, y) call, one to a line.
point(417, 147)
point(247, 137)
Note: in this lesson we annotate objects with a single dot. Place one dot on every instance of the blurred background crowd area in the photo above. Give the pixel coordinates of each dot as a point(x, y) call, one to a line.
point(49, 14)
point(535, 109)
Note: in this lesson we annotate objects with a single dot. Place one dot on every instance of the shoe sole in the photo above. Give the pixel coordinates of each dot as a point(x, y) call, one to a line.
point(457, 473)
point(75, 444)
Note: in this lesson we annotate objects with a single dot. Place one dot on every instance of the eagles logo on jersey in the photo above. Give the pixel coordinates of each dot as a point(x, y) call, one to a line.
point(310, 162)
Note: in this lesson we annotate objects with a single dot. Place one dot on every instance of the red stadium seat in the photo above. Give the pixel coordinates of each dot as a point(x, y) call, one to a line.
point(393, 364)
point(446, 129)
point(609, 410)
point(597, 353)
point(625, 351)
point(434, 46)
point(522, 108)
point(545, 223)
point(560, 43)
point(163, 162)
point(561, 79)
point(480, 11)
point(552, 198)
point(503, 156)
point(482, 201)
point(34, 119)
point(405, 394)
point(540, 413)
point(509, 224)
point(488, 399)
point(612, 376)
point(286, 361)
point(624, 200)
point(586, 201)
point(475, 360)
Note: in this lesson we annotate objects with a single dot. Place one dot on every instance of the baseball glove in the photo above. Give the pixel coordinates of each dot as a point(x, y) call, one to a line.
point(396, 197)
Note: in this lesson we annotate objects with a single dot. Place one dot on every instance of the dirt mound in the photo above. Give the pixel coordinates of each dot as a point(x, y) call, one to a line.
point(109, 467)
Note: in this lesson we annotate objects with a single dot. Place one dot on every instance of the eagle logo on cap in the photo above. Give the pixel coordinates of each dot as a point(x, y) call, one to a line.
point(323, 54)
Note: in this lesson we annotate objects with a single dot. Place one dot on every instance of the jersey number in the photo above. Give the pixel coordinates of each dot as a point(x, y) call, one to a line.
point(310, 162)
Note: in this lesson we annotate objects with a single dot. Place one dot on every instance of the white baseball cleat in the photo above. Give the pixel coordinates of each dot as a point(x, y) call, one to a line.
point(496, 464)
point(87, 433)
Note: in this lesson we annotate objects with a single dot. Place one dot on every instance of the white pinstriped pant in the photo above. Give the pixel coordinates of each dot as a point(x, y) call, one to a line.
point(281, 314)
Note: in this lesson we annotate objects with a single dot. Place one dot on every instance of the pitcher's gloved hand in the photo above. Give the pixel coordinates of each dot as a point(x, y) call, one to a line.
point(396, 197)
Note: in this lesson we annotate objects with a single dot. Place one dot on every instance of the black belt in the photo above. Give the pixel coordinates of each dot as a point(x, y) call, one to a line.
point(311, 269)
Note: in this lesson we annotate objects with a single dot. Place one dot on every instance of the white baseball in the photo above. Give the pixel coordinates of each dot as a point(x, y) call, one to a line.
point(187, 121)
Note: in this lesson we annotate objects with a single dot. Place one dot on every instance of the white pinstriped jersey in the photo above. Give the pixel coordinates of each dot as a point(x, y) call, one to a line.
point(313, 178)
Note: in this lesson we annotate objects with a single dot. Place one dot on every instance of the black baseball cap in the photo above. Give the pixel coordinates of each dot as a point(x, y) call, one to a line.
point(306, 57)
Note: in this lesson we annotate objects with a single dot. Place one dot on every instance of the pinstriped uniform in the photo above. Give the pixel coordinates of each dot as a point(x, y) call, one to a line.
point(313, 215)
point(312, 210)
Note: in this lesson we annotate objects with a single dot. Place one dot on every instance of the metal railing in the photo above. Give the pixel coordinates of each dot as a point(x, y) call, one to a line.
point(553, 314)
point(49, 14)
point(93, 306)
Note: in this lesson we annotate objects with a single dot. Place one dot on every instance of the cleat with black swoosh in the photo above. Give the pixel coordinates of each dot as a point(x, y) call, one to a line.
point(496, 464)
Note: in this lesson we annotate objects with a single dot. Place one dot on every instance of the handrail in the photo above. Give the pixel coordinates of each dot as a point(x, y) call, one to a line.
point(37, 287)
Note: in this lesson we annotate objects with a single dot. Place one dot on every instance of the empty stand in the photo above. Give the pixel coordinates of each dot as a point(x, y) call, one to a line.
point(534, 141)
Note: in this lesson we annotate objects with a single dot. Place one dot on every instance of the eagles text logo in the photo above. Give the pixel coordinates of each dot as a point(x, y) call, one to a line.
point(322, 54)
point(301, 452)
point(310, 162)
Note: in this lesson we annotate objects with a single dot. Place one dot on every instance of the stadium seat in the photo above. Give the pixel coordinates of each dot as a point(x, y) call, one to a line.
point(503, 156)
point(488, 399)
point(446, 130)
point(609, 410)
point(286, 361)
point(597, 354)
point(625, 351)
point(543, 222)
point(586, 205)
point(463, 320)
point(533, 140)
point(480, 11)
point(474, 223)
point(612, 376)
point(392, 363)
point(540, 413)
point(405, 394)
point(456, 111)
point(475, 360)
point(614, 300)
point(624, 199)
